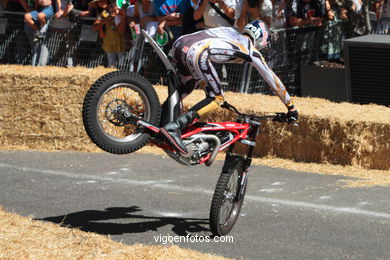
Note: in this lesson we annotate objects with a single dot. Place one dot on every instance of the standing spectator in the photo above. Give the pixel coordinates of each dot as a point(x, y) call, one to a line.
point(99, 9)
point(61, 28)
point(254, 10)
point(352, 12)
point(355, 6)
point(111, 25)
point(308, 12)
point(144, 15)
point(216, 12)
point(38, 18)
point(16, 5)
point(190, 25)
point(382, 10)
point(78, 9)
point(169, 12)
point(279, 13)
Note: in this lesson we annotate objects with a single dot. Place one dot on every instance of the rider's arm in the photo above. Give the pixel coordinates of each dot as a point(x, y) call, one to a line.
point(269, 76)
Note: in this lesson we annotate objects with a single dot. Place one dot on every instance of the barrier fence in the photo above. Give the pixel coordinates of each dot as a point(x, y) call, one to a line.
point(75, 44)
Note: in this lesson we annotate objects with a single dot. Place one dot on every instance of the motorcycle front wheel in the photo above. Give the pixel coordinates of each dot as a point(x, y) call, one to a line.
point(227, 201)
point(102, 110)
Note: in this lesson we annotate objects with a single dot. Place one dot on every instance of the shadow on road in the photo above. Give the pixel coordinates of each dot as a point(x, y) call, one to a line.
point(98, 222)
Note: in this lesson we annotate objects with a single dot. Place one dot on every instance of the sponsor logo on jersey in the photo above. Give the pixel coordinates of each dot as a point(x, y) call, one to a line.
point(185, 49)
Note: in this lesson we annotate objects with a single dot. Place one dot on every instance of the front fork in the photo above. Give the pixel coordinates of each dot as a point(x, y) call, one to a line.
point(251, 142)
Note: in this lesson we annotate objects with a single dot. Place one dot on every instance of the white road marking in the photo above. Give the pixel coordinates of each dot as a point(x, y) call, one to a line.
point(175, 214)
point(83, 176)
point(271, 190)
point(85, 182)
point(168, 185)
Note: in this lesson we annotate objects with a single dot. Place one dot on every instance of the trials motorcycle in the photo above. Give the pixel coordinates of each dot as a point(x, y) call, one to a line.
point(122, 113)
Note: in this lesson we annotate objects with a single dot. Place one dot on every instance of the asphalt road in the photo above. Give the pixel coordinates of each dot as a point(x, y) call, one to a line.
point(140, 198)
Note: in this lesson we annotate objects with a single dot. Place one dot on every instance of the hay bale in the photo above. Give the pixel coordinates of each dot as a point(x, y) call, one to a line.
point(25, 238)
point(41, 109)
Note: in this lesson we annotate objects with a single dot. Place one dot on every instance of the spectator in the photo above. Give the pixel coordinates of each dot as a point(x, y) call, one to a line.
point(81, 9)
point(338, 7)
point(111, 25)
point(38, 18)
point(352, 12)
point(190, 25)
point(382, 10)
point(308, 12)
point(169, 12)
point(61, 28)
point(355, 6)
point(144, 15)
point(254, 10)
point(216, 12)
point(16, 5)
point(279, 15)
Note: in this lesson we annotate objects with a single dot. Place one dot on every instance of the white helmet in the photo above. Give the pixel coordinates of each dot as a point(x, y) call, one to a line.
point(259, 33)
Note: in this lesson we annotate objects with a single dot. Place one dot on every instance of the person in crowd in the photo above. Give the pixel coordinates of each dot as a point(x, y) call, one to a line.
point(193, 55)
point(144, 15)
point(278, 19)
point(308, 12)
point(382, 10)
point(16, 5)
point(84, 8)
point(355, 6)
point(61, 27)
point(111, 25)
point(38, 18)
point(189, 24)
point(169, 12)
point(254, 10)
point(215, 12)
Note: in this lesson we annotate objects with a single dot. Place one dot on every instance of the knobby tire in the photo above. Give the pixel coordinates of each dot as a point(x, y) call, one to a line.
point(235, 164)
point(130, 81)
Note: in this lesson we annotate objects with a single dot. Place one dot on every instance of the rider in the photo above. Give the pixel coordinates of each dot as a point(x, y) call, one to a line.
point(193, 55)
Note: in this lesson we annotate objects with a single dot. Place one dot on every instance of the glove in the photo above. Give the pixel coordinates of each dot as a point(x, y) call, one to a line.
point(292, 116)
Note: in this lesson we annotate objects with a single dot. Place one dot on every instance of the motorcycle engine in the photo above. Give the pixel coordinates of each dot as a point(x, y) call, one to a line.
point(197, 147)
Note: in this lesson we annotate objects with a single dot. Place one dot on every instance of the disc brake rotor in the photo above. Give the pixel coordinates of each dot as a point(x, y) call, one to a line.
point(115, 112)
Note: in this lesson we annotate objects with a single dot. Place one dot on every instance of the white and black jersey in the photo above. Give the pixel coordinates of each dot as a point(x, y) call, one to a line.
point(195, 53)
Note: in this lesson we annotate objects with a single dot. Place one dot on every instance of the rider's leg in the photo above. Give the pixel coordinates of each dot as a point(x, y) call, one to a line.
point(173, 130)
point(202, 72)
point(208, 104)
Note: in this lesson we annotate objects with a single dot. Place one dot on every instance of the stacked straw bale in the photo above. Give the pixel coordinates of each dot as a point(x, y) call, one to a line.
point(41, 109)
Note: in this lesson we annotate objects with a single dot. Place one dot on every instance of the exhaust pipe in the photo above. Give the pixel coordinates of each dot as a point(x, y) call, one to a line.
point(211, 138)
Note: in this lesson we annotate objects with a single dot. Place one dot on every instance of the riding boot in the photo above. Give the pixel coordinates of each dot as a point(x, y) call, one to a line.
point(173, 130)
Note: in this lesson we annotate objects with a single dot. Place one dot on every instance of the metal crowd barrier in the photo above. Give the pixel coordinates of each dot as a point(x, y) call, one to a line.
point(75, 44)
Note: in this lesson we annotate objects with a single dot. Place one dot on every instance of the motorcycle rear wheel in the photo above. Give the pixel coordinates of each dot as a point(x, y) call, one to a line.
point(110, 93)
point(226, 204)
